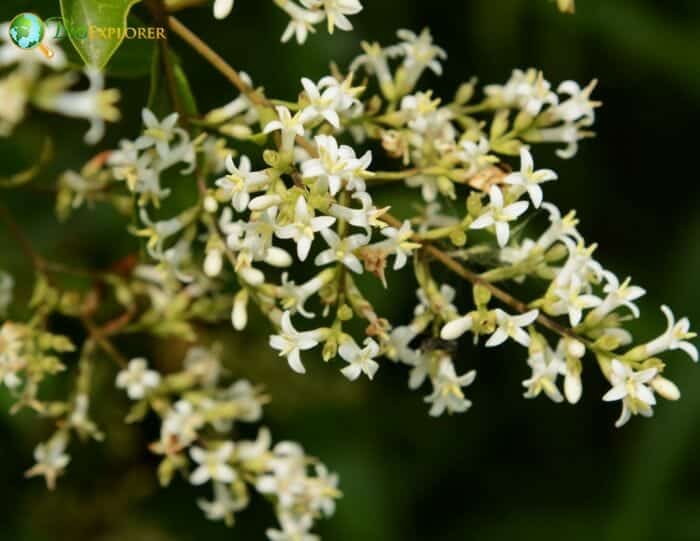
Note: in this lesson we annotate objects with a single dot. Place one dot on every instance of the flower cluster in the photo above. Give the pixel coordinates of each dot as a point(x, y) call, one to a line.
point(289, 227)
point(198, 411)
point(304, 17)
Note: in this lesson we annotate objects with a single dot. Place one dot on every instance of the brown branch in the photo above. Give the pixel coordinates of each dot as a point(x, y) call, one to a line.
point(22, 240)
point(216, 61)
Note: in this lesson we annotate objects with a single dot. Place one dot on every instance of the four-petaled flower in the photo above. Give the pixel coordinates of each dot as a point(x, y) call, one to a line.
point(360, 360)
point(291, 342)
point(497, 215)
point(512, 327)
point(630, 387)
point(137, 379)
point(529, 179)
point(304, 227)
point(213, 465)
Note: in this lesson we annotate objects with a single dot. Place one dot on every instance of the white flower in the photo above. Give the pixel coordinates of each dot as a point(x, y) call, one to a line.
point(675, 337)
point(630, 387)
point(290, 127)
point(447, 390)
point(213, 465)
point(366, 217)
point(399, 242)
point(254, 451)
point(475, 155)
point(320, 104)
point(336, 11)
point(526, 90)
point(204, 364)
point(400, 350)
point(499, 216)
point(529, 179)
point(158, 133)
point(579, 104)
point(360, 360)
point(570, 133)
point(222, 8)
point(618, 295)
point(546, 366)
point(293, 529)
point(180, 426)
point(137, 379)
point(291, 342)
point(240, 182)
point(304, 227)
point(341, 250)
point(223, 506)
point(51, 459)
point(419, 53)
point(95, 104)
point(12, 338)
point(302, 21)
point(512, 327)
point(573, 300)
point(335, 164)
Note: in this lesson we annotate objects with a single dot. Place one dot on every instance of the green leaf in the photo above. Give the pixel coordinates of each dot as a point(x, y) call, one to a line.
point(159, 98)
point(82, 19)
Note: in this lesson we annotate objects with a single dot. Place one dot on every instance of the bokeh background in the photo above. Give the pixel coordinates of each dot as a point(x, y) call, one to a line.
point(508, 469)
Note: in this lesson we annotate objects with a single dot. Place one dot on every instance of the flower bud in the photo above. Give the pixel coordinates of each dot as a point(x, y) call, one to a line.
point(211, 205)
point(575, 349)
point(277, 257)
point(252, 276)
point(263, 202)
point(666, 388)
point(482, 296)
point(572, 387)
point(213, 263)
point(456, 328)
point(239, 314)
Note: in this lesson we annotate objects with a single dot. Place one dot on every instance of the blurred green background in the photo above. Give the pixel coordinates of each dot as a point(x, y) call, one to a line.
point(508, 469)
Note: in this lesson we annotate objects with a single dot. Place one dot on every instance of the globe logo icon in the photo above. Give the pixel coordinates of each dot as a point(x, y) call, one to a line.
point(27, 32)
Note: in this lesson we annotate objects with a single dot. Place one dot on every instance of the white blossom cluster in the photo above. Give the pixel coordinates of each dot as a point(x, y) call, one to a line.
point(289, 227)
point(30, 78)
point(305, 15)
point(309, 199)
point(198, 411)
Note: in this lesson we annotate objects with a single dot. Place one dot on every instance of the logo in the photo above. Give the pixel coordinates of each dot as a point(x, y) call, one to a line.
point(27, 31)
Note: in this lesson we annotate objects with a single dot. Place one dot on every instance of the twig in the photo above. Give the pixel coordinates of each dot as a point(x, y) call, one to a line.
point(24, 243)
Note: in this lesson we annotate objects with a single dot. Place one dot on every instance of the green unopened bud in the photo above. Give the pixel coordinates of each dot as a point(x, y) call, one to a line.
point(345, 313)
point(446, 187)
point(458, 237)
point(482, 296)
point(465, 92)
point(271, 158)
point(474, 204)
point(330, 349)
point(608, 343)
point(556, 253)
